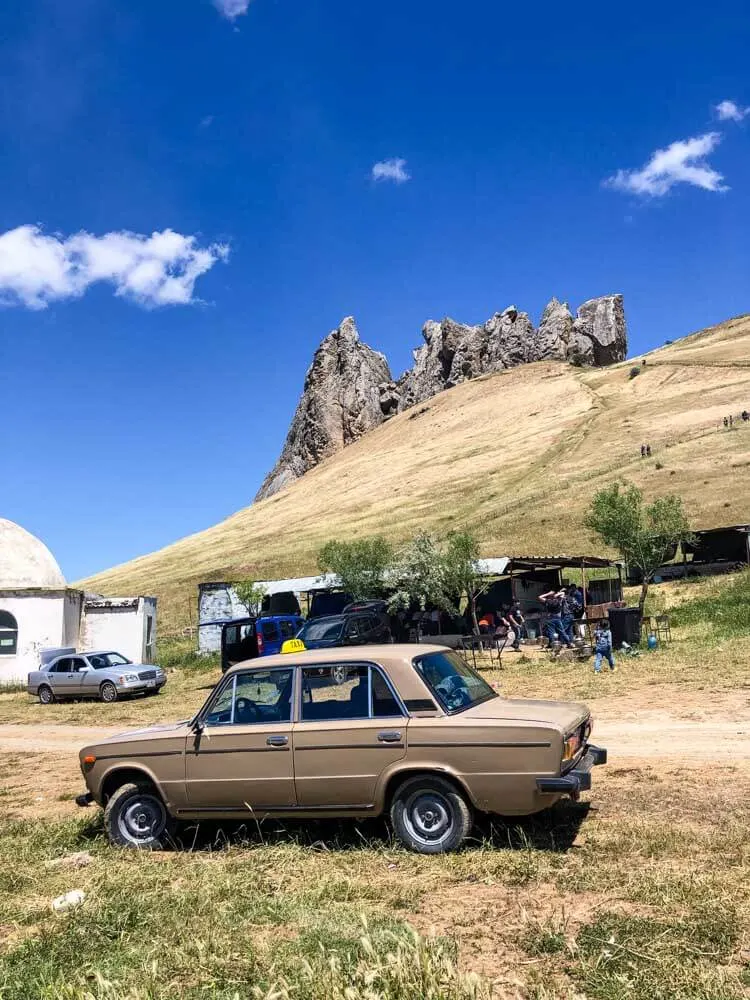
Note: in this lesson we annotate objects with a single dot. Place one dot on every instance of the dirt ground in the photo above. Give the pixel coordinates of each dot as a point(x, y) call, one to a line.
point(39, 774)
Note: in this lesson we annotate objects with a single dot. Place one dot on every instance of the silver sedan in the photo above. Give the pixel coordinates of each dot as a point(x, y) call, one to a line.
point(105, 675)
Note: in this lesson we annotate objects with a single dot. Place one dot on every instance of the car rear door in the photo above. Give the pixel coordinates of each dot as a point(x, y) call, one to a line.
point(351, 726)
point(241, 761)
point(271, 637)
point(65, 680)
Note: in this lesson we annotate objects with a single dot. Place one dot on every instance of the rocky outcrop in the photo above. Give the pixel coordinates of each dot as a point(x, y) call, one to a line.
point(341, 401)
point(599, 332)
point(348, 388)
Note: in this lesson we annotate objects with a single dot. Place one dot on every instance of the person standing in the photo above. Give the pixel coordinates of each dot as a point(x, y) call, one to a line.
point(553, 603)
point(603, 647)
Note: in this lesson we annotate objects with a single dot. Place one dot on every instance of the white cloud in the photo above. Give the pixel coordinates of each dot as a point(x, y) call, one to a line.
point(232, 8)
point(391, 170)
point(729, 111)
point(156, 270)
point(681, 163)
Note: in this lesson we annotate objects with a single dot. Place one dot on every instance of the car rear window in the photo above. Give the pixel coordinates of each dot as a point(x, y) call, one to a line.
point(316, 630)
point(453, 682)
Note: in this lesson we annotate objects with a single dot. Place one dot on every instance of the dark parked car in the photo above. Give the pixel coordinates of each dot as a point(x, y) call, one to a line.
point(355, 629)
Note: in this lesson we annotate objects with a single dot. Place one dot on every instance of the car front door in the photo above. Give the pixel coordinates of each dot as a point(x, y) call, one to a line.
point(241, 759)
point(351, 726)
point(271, 638)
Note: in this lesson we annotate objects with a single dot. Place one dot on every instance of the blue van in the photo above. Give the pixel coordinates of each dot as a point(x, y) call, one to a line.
point(247, 638)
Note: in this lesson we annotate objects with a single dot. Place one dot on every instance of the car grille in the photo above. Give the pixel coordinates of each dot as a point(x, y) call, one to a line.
point(147, 675)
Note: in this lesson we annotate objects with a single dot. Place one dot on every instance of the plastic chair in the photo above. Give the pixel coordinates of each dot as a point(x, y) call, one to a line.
point(663, 628)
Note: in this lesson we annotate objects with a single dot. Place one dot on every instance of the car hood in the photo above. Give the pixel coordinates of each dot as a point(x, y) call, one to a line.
point(563, 715)
point(148, 735)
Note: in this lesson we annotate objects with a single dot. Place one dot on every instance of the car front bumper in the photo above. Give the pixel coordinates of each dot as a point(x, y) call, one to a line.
point(141, 687)
point(578, 779)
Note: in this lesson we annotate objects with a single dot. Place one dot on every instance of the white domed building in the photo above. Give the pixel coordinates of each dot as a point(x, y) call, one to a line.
point(39, 612)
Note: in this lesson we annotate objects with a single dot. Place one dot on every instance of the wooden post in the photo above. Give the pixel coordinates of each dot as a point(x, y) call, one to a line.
point(747, 545)
point(583, 583)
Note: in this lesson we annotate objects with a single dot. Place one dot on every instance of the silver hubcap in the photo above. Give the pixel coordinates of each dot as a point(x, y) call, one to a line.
point(428, 817)
point(45, 696)
point(109, 693)
point(142, 819)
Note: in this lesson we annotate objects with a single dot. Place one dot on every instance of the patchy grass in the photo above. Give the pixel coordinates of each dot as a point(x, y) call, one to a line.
point(623, 901)
point(722, 608)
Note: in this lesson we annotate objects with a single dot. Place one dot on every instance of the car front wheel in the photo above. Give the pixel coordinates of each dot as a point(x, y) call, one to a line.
point(135, 816)
point(108, 692)
point(46, 697)
point(430, 815)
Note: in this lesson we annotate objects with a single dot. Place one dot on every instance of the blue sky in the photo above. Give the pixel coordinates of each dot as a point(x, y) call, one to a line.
point(146, 386)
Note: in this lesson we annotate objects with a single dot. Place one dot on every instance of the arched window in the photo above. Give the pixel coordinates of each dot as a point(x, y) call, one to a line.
point(8, 634)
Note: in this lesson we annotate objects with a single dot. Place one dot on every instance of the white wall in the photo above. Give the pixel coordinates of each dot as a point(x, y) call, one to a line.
point(123, 629)
point(41, 625)
point(216, 601)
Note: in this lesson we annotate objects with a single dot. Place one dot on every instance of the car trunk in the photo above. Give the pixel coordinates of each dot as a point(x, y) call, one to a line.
point(564, 714)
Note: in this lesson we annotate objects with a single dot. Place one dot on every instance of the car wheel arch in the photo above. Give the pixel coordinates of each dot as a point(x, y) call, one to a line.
point(120, 775)
point(394, 779)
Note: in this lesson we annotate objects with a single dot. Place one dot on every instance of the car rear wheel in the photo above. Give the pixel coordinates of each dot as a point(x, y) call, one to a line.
point(430, 815)
point(108, 692)
point(136, 817)
point(46, 696)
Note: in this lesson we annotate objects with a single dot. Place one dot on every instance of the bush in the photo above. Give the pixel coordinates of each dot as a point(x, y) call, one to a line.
point(635, 370)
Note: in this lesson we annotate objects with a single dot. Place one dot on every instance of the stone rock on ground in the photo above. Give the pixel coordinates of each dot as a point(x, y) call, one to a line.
point(340, 402)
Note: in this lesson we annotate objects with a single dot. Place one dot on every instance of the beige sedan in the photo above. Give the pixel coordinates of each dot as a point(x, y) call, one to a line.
point(410, 731)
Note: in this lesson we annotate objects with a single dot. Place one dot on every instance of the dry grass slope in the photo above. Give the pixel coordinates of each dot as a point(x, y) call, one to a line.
point(514, 456)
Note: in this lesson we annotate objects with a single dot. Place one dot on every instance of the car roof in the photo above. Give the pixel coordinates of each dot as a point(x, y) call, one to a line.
point(372, 651)
point(327, 618)
point(396, 658)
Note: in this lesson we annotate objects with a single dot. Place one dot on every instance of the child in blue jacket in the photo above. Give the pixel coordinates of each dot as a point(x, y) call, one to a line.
point(603, 647)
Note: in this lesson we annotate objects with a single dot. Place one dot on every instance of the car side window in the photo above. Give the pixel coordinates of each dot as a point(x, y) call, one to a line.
point(338, 691)
point(384, 702)
point(77, 664)
point(62, 666)
point(257, 697)
point(351, 629)
point(288, 628)
point(269, 630)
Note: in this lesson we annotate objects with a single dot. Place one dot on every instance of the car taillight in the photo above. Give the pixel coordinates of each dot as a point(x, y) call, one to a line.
point(260, 643)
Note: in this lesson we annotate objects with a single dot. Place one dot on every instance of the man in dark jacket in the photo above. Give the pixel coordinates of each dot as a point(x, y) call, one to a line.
point(553, 603)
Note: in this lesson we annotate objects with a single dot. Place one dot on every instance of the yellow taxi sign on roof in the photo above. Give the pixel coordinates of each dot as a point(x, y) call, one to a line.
point(293, 646)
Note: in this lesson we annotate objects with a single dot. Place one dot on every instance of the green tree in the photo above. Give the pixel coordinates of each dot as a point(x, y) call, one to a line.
point(645, 535)
point(420, 575)
point(462, 575)
point(361, 566)
point(250, 594)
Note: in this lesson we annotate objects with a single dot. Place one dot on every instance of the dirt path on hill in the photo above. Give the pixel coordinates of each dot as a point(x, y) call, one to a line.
point(654, 734)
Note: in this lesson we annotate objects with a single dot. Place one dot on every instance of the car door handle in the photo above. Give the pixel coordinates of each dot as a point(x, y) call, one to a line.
point(389, 736)
point(277, 741)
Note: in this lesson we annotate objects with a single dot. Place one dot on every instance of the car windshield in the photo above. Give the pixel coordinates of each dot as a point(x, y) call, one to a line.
point(455, 685)
point(325, 628)
point(102, 661)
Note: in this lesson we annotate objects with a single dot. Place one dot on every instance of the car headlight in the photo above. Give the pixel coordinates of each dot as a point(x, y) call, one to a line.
point(128, 678)
point(571, 747)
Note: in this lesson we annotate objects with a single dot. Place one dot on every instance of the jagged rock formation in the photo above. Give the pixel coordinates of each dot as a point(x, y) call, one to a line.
point(348, 388)
point(340, 402)
point(600, 335)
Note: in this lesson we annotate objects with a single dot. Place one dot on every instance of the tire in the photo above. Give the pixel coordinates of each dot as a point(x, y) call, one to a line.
point(135, 816)
point(46, 695)
point(430, 815)
point(108, 692)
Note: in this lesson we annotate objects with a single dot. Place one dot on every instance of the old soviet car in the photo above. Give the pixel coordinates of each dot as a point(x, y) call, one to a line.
point(410, 731)
point(105, 675)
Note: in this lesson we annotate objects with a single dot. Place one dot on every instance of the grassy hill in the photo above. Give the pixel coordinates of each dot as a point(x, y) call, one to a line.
point(515, 456)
